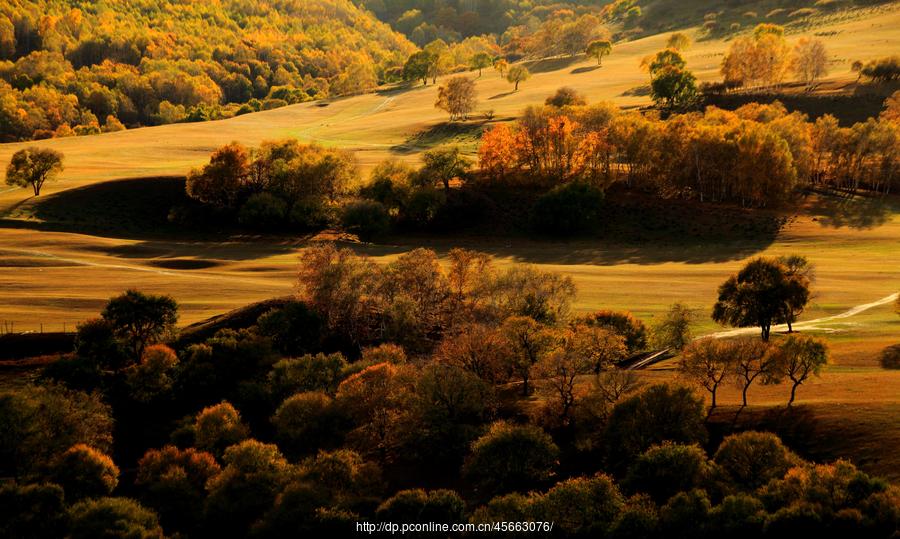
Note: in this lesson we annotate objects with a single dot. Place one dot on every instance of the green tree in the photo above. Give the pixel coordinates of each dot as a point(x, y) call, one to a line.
point(419, 66)
point(621, 323)
point(367, 219)
point(84, 472)
point(581, 506)
point(319, 372)
point(307, 422)
point(598, 49)
point(34, 511)
point(517, 74)
point(674, 88)
point(141, 319)
point(443, 165)
point(218, 427)
point(758, 295)
point(674, 330)
point(33, 167)
point(751, 459)
point(678, 41)
point(417, 505)
point(480, 61)
point(667, 469)
point(511, 458)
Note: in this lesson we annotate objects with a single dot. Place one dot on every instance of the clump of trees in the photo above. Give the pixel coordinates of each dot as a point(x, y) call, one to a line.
point(281, 183)
point(764, 59)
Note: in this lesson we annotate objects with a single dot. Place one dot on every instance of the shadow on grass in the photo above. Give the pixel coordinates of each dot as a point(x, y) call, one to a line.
point(853, 211)
point(552, 64)
point(586, 69)
point(501, 96)
point(442, 133)
point(638, 91)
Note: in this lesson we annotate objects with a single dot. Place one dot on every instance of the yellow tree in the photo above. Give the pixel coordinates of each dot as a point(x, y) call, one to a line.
point(810, 60)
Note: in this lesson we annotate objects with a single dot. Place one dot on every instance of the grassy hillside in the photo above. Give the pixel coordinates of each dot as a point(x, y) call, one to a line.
point(69, 65)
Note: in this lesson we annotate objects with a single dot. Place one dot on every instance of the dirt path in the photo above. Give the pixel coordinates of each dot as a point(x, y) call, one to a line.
point(817, 324)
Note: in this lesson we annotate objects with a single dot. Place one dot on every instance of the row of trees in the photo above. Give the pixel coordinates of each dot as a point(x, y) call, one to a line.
point(756, 155)
point(65, 70)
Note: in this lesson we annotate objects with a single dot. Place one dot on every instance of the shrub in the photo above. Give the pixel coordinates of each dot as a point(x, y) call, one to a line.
point(511, 458)
point(310, 215)
point(752, 459)
point(565, 97)
point(318, 372)
point(890, 357)
point(112, 518)
point(367, 219)
point(417, 505)
point(568, 209)
point(583, 506)
point(307, 422)
point(84, 472)
point(218, 427)
point(665, 470)
point(263, 211)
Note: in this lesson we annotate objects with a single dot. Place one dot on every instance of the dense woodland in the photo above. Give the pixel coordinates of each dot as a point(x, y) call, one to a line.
point(421, 392)
point(70, 67)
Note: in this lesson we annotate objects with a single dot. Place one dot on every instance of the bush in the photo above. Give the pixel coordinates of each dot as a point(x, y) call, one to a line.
point(84, 472)
point(665, 470)
point(890, 357)
point(307, 215)
point(318, 372)
point(417, 505)
point(367, 219)
point(511, 458)
point(112, 518)
point(660, 413)
point(218, 427)
point(423, 206)
point(583, 506)
point(263, 211)
point(565, 97)
point(32, 511)
point(752, 459)
point(307, 422)
point(568, 209)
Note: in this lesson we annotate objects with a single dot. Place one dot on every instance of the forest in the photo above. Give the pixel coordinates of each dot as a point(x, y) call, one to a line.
point(403, 393)
point(69, 67)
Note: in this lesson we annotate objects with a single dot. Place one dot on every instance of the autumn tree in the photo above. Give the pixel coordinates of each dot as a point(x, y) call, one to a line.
point(33, 167)
point(84, 472)
point(373, 400)
point(566, 96)
point(517, 74)
point(141, 319)
point(800, 273)
point(623, 323)
point(798, 358)
point(763, 58)
point(678, 41)
point(529, 341)
point(218, 427)
point(708, 362)
point(751, 459)
point(673, 87)
point(114, 518)
point(758, 295)
point(221, 181)
point(511, 458)
point(752, 361)
point(598, 49)
point(480, 61)
point(458, 97)
point(810, 60)
point(501, 65)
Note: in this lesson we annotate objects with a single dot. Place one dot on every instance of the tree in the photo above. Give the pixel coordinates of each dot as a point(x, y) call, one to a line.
point(443, 165)
point(367, 219)
point(758, 295)
point(458, 97)
point(678, 41)
point(35, 511)
point(598, 49)
point(529, 341)
point(480, 61)
point(810, 60)
point(558, 371)
point(141, 319)
point(84, 472)
point(667, 469)
point(707, 362)
point(417, 505)
point(752, 360)
point(33, 167)
point(675, 87)
point(218, 427)
point(319, 372)
point(517, 74)
point(308, 422)
point(501, 65)
point(154, 376)
point(657, 414)
point(221, 181)
point(112, 518)
point(752, 459)
point(173, 481)
point(566, 97)
point(419, 66)
point(674, 330)
point(580, 506)
point(373, 399)
point(798, 358)
point(621, 323)
point(511, 458)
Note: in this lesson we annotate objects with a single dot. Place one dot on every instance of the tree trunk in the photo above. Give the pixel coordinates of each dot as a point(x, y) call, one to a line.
point(744, 395)
point(525, 386)
point(517, 86)
point(793, 394)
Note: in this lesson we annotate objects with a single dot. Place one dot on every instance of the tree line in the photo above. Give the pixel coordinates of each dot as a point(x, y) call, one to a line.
point(308, 417)
point(68, 70)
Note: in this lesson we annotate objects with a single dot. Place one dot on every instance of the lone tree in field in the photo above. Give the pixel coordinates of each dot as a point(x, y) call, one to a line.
point(481, 61)
point(141, 319)
point(707, 362)
point(678, 41)
point(674, 330)
point(33, 166)
point(761, 294)
point(518, 74)
point(458, 97)
point(798, 358)
point(598, 49)
point(810, 60)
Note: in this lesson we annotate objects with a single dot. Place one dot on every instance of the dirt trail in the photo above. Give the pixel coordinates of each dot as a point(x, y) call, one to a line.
point(817, 324)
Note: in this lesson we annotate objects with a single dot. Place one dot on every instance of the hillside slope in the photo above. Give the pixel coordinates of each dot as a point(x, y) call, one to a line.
point(69, 64)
